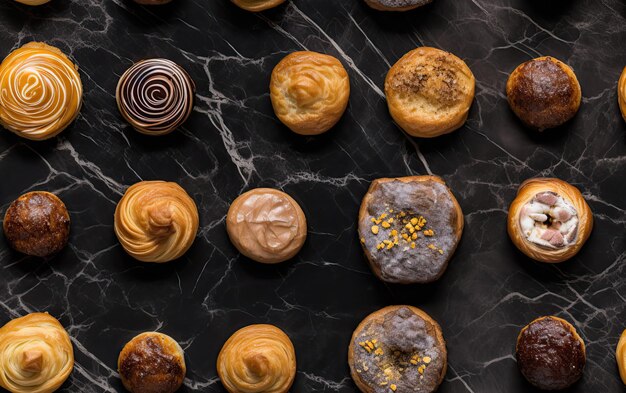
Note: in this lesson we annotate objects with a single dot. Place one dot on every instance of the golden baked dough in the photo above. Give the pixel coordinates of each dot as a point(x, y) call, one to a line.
point(549, 220)
point(33, 2)
point(309, 92)
point(257, 5)
point(621, 93)
point(156, 221)
point(429, 92)
point(36, 354)
point(620, 356)
point(257, 359)
point(153, 2)
point(40, 91)
point(396, 5)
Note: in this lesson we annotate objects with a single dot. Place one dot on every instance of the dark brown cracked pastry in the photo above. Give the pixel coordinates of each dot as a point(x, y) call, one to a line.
point(544, 93)
point(396, 5)
point(409, 228)
point(37, 223)
point(398, 349)
point(550, 353)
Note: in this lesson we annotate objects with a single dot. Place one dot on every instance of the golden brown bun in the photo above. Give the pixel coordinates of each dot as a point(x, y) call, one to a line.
point(257, 5)
point(36, 354)
point(570, 194)
point(33, 2)
point(153, 2)
point(620, 356)
point(266, 225)
point(309, 92)
point(257, 359)
point(396, 5)
point(544, 93)
point(429, 92)
point(37, 223)
point(621, 93)
point(156, 221)
point(152, 363)
point(398, 335)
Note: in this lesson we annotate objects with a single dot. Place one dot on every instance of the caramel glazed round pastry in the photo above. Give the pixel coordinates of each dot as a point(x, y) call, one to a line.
point(152, 362)
point(544, 93)
point(257, 359)
point(156, 221)
point(620, 356)
point(36, 354)
point(155, 96)
point(396, 5)
point(409, 228)
point(309, 92)
point(40, 91)
point(429, 92)
point(621, 93)
point(257, 5)
point(549, 220)
point(550, 353)
point(398, 349)
point(37, 223)
point(266, 225)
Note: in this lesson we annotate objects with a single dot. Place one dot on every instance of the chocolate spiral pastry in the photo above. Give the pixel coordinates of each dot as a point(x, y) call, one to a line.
point(40, 91)
point(257, 359)
point(155, 96)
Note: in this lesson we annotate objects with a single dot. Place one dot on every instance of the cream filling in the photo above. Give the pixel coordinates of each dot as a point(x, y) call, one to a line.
point(549, 221)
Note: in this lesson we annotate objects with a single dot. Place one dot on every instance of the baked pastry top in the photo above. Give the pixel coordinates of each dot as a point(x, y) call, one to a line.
point(153, 2)
point(396, 5)
point(33, 2)
point(620, 356)
point(40, 91)
point(257, 5)
point(621, 93)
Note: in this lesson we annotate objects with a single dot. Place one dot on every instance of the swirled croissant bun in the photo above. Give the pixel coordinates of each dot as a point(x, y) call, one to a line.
point(309, 92)
point(36, 354)
point(40, 91)
point(33, 2)
point(257, 5)
point(257, 359)
point(156, 221)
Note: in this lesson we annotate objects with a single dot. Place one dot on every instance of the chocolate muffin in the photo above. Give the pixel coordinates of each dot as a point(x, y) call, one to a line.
point(550, 353)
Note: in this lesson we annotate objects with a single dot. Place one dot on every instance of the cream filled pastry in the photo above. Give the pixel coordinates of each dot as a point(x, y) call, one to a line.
point(40, 91)
point(36, 354)
point(257, 359)
point(266, 225)
point(155, 96)
point(156, 221)
point(549, 220)
point(257, 5)
point(396, 5)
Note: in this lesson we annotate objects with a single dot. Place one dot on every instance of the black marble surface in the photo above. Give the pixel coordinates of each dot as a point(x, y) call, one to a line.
point(233, 142)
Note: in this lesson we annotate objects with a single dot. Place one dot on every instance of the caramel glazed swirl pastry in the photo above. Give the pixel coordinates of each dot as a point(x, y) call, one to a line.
point(156, 221)
point(155, 96)
point(549, 220)
point(40, 91)
point(257, 359)
point(36, 354)
point(257, 5)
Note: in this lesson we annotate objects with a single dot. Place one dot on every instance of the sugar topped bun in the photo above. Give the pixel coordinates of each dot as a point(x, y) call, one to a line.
point(396, 5)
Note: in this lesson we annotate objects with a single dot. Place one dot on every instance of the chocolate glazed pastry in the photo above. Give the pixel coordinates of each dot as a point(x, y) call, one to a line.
point(155, 96)
point(550, 353)
point(37, 223)
point(409, 228)
point(396, 5)
point(398, 349)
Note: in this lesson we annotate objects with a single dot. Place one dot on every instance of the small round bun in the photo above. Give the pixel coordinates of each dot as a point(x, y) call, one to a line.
point(398, 349)
point(620, 356)
point(396, 5)
point(429, 92)
point(37, 223)
point(152, 363)
point(257, 359)
point(544, 93)
point(33, 2)
point(549, 220)
point(309, 92)
point(257, 5)
point(550, 353)
point(266, 225)
point(621, 93)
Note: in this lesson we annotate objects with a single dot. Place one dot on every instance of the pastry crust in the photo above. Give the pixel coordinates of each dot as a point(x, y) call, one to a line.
point(33, 2)
point(309, 92)
point(436, 226)
point(152, 362)
point(153, 2)
point(406, 341)
point(396, 5)
point(257, 359)
point(266, 225)
point(544, 93)
point(429, 92)
point(621, 93)
point(620, 356)
point(527, 191)
point(36, 354)
point(40, 91)
point(257, 5)
point(156, 221)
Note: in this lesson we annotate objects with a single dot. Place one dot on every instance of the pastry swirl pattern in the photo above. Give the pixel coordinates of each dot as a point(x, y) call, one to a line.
point(155, 96)
point(257, 359)
point(36, 354)
point(156, 221)
point(40, 91)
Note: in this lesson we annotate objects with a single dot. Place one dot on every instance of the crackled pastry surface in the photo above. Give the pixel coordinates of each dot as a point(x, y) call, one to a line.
point(309, 92)
point(40, 91)
point(396, 5)
point(36, 354)
point(257, 5)
point(620, 356)
point(156, 221)
point(257, 359)
point(398, 349)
